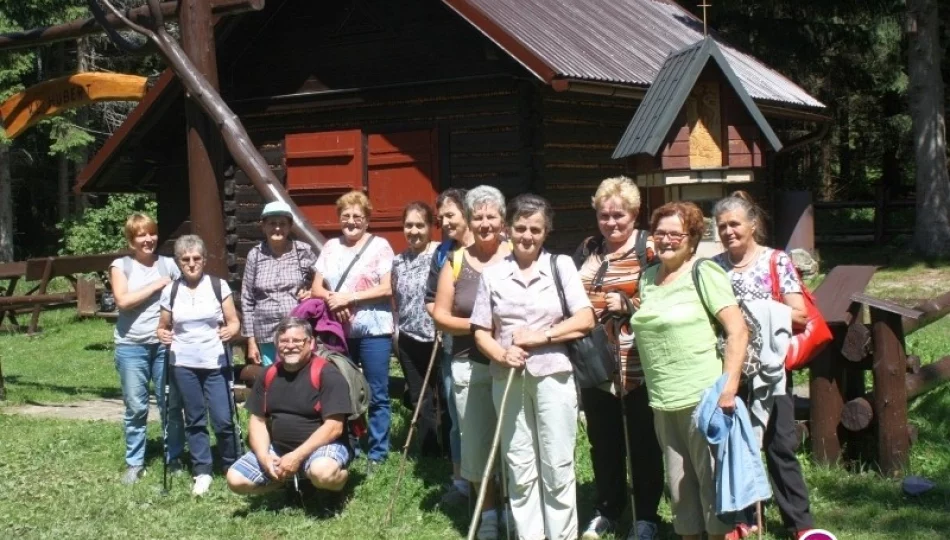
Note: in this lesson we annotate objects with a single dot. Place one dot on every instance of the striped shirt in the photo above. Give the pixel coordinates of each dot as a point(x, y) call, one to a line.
point(623, 274)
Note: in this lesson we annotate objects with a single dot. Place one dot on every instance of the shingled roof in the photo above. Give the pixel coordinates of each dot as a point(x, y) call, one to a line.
point(655, 116)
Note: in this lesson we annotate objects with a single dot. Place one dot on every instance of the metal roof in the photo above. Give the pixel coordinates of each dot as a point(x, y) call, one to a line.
point(614, 41)
point(655, 116)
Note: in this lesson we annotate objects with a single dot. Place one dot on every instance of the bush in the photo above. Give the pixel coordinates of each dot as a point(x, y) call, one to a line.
point(101, 230)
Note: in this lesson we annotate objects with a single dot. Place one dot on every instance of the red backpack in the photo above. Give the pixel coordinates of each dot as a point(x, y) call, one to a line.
point(355, 421)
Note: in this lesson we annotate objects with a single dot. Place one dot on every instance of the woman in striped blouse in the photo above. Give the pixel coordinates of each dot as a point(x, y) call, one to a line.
point(610, 264)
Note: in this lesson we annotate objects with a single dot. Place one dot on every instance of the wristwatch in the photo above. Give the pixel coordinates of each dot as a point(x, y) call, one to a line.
point(547, 335)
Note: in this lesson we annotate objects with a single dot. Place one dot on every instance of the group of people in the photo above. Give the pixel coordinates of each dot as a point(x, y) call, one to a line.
point(487, 302)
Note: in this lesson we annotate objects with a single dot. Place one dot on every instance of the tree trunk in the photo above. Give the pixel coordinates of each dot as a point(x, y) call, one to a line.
point(62, 184)
point(6, 204)
point(932, 225)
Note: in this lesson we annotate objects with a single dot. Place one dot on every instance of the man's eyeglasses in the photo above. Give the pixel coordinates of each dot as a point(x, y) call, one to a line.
point(292, 341)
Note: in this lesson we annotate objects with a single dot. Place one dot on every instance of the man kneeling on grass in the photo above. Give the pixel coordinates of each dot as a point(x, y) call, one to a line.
point(307, 422)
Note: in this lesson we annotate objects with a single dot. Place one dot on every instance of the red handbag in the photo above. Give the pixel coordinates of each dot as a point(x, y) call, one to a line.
point(806, 341)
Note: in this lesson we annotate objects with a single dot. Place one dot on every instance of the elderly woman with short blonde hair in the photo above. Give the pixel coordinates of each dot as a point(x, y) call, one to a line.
point(353, 275)
point(610, 264)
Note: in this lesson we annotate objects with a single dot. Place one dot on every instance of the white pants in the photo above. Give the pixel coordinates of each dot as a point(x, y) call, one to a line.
point(539, 429)
point(472, 386)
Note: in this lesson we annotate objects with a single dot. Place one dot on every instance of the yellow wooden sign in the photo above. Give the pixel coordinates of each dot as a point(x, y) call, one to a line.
point(52, 97)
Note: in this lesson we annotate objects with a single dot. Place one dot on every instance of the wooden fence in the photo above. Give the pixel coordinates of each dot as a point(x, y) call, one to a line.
point(880, 228)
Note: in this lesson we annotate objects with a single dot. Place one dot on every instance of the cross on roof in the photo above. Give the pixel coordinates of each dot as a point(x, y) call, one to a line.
point(704, 5)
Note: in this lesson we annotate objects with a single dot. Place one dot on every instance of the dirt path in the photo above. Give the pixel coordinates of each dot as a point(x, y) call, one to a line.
point(110, 410)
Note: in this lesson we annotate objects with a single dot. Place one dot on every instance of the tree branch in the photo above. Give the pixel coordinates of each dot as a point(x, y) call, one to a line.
point(113, 33)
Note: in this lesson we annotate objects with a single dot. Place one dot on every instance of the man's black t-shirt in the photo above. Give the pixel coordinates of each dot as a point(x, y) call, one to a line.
point(290, 404)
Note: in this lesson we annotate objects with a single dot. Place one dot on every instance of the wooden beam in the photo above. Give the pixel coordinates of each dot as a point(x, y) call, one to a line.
point(204, 141)
point(86, 27)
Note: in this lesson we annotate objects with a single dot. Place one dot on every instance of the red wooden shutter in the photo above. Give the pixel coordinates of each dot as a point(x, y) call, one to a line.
point(402, 167)
point(320, 168)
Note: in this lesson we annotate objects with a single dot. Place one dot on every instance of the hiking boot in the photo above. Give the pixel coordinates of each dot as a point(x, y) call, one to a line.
point(643, 530)
point(132, 474)
point(597, 528)
point(202, 485)
point(488, 526)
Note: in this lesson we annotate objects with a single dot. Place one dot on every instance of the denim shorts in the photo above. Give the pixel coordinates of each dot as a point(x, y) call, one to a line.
point(250, 468)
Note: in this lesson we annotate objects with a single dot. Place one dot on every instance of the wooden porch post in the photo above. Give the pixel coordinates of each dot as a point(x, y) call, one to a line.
point(204, 144)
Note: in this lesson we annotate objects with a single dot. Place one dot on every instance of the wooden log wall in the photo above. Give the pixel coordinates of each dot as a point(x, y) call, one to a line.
point(578, 133)
point(483, 129)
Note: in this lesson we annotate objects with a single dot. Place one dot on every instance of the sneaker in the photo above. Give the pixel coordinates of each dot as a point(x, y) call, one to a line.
point(506, 523)
point(597, 527)
point(488, 527)
point(644, 530)
point(372, 467)
point(132, 474)
point(202, 484)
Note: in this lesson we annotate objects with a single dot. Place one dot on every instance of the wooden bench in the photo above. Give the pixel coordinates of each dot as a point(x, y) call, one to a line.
point(44, 270)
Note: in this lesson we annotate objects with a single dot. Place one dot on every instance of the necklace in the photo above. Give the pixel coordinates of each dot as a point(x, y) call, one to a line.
point(743, 262)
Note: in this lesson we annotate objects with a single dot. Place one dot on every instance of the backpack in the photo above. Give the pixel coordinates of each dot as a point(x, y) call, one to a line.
point(357, 385)
point(215, 286)
point(594, 244)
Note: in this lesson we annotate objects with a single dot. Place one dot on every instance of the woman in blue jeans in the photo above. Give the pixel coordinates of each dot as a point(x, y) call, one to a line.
point(137, 281)
point(198, 319)
point(352, 274)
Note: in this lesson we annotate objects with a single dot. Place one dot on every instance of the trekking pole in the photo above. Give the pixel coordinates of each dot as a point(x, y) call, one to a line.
point(505, 502)
point(412, 428)
point(238, 437)
point(166, 396)
point(496, 439)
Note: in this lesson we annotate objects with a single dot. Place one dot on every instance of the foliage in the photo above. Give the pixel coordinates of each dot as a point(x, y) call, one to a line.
point(100, 230)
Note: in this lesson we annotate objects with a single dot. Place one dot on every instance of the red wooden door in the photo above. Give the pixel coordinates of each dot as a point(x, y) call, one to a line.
point(401, 167)
point(320, 168)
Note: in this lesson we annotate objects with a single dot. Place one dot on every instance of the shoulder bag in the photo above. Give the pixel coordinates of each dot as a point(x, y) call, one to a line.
point(806, 342)
point(592, 355)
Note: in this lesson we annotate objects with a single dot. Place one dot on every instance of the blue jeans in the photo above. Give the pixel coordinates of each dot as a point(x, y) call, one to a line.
point(455, 441)
point(206, 391)
point(137, 365)
point(372, 354)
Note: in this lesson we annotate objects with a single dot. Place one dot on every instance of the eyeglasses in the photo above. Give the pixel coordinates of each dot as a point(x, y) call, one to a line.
point(345, 218)
point(196, 258)
point(292, 341)
point(674, 237)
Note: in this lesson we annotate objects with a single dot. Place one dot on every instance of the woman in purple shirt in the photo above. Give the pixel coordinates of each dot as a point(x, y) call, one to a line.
point(519, 324)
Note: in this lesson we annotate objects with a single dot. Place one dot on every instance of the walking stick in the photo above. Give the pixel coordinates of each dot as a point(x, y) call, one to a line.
point(618, 324)
point(166, 396)
point(412, 428)
point(496, 439)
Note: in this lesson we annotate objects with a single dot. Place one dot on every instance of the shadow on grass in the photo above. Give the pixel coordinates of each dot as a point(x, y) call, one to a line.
point(102, 346)
point(101, 391)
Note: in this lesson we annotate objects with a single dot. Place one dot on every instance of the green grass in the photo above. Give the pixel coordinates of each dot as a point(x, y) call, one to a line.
point(58, 479)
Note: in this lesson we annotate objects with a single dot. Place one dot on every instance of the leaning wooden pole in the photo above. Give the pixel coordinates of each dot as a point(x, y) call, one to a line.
point(235, 137)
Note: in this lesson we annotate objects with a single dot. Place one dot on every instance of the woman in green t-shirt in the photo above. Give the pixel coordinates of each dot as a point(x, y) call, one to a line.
point(677, 347)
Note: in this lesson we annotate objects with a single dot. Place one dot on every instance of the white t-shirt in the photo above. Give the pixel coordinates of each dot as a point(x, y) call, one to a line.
point(195, 320)
point(138, 325)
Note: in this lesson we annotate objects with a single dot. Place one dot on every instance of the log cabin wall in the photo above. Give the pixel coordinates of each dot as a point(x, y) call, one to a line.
point(577, 134)
point(483, 138)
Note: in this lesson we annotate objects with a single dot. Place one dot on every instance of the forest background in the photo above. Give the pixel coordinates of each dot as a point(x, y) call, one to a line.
point(850, 54)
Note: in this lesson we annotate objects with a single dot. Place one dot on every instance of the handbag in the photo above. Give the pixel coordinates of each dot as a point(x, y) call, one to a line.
point(592, 357)
point(806, 341)
point(753, 359)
